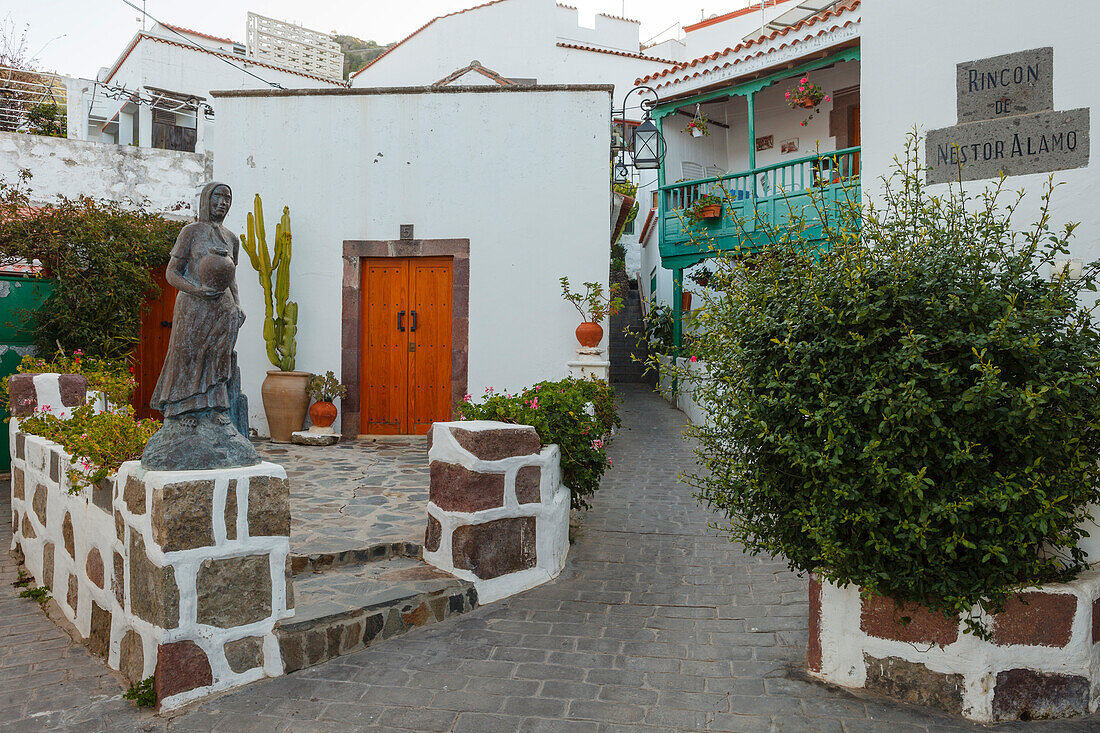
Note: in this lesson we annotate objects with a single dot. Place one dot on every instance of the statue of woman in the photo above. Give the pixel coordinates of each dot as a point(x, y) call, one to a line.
point(193, 389)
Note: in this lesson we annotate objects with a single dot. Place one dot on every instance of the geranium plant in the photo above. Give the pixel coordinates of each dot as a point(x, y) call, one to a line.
point(698, 125)
point(806, 95)
point(113, 377)
point(698, 209)
point(326, 388)
point(593, 304)
point(576, 414)
point(99, 442)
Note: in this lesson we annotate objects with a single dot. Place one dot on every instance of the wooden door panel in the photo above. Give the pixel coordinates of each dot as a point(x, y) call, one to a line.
point(430, 357)
point(385, 359)
point(152, 347)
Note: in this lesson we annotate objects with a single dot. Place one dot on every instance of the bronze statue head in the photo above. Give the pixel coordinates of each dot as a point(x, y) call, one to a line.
point(214, 202)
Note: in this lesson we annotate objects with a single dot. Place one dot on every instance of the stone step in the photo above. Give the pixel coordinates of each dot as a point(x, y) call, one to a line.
point(351, 607)
point(317, 562)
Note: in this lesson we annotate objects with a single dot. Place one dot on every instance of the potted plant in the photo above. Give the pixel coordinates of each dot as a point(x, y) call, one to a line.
point(708, 206)
point(594, 306)
point(284, 390)
point(698, 126)
point(806, 95)
point(324, 390)
point(701, 276)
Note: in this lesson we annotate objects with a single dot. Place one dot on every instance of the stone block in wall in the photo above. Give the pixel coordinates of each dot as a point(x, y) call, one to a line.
point(93, 567)
point(914, 683)
point(495, 548)
point(47, 563)
point(433, 534)
point(495, 443)
point(71, 389)
point(528, 483)
point(27, 530)
point(245, 654)
point(183, 515)
point(1036, 619)
point(181, 666)
point(268, 506)
point(154, 596)
point(133, 495)
point(131, 657)
point(41, 495)
point(1024, 694)
point(234, 591)
point(67, 535)
point(230, 513)
point(455, 488)
point(883, 618)
point(17, 483)
point(813, 644)
point(99, 634)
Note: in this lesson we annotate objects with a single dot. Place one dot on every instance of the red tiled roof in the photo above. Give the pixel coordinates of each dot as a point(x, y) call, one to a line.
point(181, 29)
point(647, 229)
point(616, 53)
point(438, 17)
point(731, 15)
point(233, 57)
point(812, 20)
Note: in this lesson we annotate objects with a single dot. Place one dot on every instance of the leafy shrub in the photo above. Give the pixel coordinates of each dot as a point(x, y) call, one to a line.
point(99, 254)
point(911, 408)
point(576, 414)
point(143, 694)
point(40, 595)
point(113, 377)
point(99, 442)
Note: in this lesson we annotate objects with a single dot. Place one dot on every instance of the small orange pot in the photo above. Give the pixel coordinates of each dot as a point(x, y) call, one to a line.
point(711, 211)
point(589, 334)
point(322, 414)
point(685, 301)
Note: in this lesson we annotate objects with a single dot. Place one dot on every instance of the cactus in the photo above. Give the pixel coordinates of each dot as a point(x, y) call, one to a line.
point(280, 313)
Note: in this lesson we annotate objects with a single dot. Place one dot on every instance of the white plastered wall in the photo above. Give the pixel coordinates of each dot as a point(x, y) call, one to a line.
point(521, 174)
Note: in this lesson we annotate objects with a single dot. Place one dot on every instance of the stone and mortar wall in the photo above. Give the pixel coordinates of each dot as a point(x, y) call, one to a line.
point(183, 575)
point(168, 180)
point(498, 514)
point(1043, 660)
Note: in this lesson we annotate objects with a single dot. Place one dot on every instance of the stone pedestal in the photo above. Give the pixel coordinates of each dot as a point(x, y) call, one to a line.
point(181, 574)
point(1043, 660)
point(590, 362)
point(315, 437)
point(498, 514)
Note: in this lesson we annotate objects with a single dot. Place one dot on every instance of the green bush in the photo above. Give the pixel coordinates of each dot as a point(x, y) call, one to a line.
point(99, 442)
point(100, 256)
point(113, 377)
point(911, 408)
point(576, 414)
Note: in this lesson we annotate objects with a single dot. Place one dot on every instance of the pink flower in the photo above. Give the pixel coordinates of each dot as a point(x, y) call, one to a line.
point(535, 404)
point(827, 98)
point(597, 444)
point(694, 359)
point(609, 463)
point(787, 95)
point(538, 387)
point(802, 89)
point(467, 398)
point(803, 80)
point(803, 123)
point(488, 390)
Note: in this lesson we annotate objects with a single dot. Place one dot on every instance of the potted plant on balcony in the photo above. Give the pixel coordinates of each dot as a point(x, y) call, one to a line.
point(708, 206)
point(594, 306)
point(324, 390)
point(698, 127)
point(806, 95)
point(284, 390)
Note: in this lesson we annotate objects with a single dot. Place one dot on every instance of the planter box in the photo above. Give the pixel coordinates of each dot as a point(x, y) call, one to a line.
point(1042, 662)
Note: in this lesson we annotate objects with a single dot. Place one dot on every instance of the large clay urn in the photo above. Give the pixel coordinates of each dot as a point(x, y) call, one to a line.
point(285, 403)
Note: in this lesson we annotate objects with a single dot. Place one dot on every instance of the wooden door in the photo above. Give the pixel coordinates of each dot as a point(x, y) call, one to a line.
point(406, 342)
point(152, 347)
point(429, 342)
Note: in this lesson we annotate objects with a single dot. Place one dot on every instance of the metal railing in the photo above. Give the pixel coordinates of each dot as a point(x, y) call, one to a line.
point(25, 95)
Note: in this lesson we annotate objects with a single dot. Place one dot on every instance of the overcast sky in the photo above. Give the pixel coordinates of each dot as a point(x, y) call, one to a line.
point(77, 37)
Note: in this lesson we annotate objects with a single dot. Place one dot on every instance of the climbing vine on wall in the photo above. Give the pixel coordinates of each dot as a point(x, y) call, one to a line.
point(100, 256)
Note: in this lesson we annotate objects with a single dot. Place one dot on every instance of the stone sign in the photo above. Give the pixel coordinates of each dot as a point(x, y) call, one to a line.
point(1007, 122)
point(1013, 84)
point(1037, 143)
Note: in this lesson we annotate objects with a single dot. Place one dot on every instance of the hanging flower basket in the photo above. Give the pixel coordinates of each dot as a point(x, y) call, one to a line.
point(806, 95)
point(706, 207)
point(697, 127)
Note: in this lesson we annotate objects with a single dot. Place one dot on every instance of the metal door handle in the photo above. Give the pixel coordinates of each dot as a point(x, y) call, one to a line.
point(400, 327)
point(413, 314)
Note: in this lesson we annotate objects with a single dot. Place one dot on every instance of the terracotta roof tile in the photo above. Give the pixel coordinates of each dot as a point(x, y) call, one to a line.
point(805, 23)
point(616, 53)
point(181, 29)
point(619, 17)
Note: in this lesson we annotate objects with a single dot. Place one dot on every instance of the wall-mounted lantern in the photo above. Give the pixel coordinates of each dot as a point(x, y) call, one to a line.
point(645, 149)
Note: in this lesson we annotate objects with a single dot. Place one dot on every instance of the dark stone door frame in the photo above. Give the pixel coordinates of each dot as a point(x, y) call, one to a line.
point(351, 352)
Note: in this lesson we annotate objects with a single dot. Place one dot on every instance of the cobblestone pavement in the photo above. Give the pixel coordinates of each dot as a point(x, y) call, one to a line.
point(657, 624)
point(352, 496)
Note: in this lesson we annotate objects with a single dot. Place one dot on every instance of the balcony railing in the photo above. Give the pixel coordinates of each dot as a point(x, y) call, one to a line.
point(755, 200)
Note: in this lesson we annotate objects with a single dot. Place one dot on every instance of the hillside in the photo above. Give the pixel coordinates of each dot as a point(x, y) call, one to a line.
point(358, 53)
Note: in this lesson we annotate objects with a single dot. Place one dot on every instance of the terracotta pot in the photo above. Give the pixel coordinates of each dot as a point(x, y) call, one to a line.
point(589, 334)
point(285, 403)
point(685, 301)
point(712, 211)
point(808, 103)
point(322, 414)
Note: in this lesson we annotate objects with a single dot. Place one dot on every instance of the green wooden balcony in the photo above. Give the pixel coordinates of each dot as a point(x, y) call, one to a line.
point(755, 200)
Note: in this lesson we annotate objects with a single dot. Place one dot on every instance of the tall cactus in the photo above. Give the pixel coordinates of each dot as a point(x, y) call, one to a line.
point(280, 314)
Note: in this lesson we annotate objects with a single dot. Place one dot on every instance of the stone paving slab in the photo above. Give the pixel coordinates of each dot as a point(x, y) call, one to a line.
point(355, 495)
point(371, 584)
